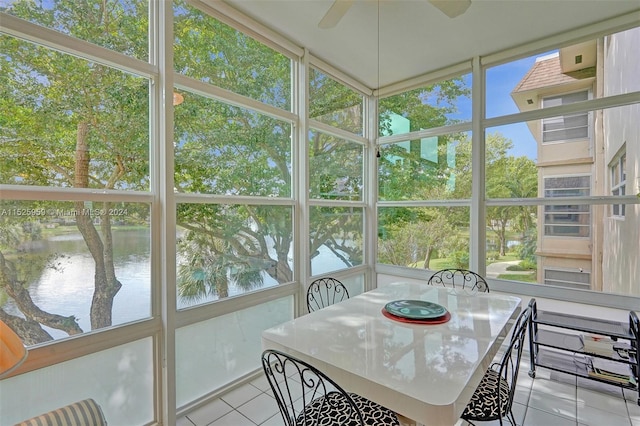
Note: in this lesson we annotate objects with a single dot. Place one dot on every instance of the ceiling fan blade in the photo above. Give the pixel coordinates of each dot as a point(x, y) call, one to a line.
point(451, 8)
point(335, 13)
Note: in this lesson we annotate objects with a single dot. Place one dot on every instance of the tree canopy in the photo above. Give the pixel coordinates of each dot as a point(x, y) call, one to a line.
point(67, 122)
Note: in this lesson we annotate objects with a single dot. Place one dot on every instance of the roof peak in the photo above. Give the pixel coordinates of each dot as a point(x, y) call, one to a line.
point(547, 57)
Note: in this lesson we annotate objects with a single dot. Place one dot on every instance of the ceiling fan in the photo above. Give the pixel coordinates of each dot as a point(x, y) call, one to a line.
point(451, 8)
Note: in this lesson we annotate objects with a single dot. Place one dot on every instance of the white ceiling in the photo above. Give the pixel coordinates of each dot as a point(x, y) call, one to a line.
point(415, 37)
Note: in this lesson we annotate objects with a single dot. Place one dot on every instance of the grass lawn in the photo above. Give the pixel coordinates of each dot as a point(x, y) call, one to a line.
point(527, 278)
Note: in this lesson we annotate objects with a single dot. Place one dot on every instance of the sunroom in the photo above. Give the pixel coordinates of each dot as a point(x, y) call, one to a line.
point(175, 173)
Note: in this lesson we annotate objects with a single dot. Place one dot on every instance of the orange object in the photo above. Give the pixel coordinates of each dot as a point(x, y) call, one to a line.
point(12, 351)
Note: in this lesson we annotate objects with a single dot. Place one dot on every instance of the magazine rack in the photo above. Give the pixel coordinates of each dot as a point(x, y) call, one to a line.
point(565, 351)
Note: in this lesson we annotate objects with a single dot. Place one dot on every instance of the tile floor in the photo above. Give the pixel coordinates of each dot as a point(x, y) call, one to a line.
point(551, 399)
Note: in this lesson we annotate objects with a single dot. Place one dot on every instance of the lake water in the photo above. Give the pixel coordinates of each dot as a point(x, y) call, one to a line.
point(67, 289)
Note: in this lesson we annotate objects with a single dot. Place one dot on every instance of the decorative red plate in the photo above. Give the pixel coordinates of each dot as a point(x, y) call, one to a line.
point(440, 320)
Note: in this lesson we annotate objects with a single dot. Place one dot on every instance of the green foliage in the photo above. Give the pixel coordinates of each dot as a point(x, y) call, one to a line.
point(333, 103)
point(460, 259)
point(210, 268)
point(421, 114)
point(508, 177)
point(492, 256)
point(407, 175)
point(528, 264)
point(518, 267)
point(33, 230)
point(209, 50)
point(414, 235)
point(48, 99)
point(528, 278)
point(527, 249)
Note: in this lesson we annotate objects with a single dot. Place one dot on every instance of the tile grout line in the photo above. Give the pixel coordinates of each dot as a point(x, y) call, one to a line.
point(527, 406)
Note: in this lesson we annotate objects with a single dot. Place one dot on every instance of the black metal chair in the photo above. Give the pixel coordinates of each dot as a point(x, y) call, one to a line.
point(324, 292)
point(493, 398)
point(308, 397)
point(467, 280)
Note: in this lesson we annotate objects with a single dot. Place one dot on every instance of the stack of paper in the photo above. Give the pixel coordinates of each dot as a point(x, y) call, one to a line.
point(597, 344)
point(610, 370)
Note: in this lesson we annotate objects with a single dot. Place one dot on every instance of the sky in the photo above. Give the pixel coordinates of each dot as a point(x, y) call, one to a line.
point(500, 82)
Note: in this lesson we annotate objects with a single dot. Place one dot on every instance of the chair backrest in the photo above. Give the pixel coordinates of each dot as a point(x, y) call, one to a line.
point(82, 413)
point(463, 279)
point(305, 395)
point(324, 292)
point(510, 361)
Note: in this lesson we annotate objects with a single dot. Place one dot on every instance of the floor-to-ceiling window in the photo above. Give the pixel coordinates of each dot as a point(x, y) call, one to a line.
point(337, 153)
point(88, 227)
point(234, 138)
point(559, 143)
point(560, 189)
point(77, 205)
point(425, 174)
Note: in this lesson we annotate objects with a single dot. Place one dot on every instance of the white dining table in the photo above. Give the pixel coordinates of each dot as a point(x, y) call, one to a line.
point(425, 372)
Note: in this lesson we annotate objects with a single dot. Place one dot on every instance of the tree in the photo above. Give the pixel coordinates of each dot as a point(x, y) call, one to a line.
point(522, 182)
point(405, 173)
point(506, 177)
point(227, 150)
point(509, 177)
point(415, 241)
point(71, 123)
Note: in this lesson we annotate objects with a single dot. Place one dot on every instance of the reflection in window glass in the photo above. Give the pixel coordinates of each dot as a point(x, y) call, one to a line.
point(424, 237)
point(223, 149)
point(69, 122)
point(333, 103)
point(119, 25)
point(210, 51)
point(439, 104)
point(431, 168)
point(79, 266)
point(227, 250)
point(335, 167)
point(336, 238)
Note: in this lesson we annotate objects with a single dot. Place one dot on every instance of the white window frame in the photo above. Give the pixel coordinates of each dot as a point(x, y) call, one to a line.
point(618, 182)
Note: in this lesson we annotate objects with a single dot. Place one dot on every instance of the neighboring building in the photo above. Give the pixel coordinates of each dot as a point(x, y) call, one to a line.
point(587, 154)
